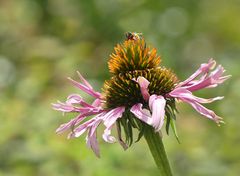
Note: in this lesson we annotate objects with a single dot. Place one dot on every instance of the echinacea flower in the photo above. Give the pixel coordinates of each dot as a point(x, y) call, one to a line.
point(140, 94)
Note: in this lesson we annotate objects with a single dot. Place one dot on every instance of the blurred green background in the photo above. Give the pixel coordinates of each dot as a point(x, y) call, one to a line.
point(44, 41)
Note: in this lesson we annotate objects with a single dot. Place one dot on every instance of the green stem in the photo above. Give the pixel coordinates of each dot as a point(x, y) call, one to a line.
point(156, 147)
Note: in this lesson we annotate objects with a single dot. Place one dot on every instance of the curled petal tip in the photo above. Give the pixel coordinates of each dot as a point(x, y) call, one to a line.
point(108, 138)
point(220, 122)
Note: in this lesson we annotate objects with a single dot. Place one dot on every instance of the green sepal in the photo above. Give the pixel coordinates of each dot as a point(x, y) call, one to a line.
point(141, 133)
point(130, 133)
point(173, 126)
point(171, 117)
point(123, 123)
point(167, 123)
point(131, 119)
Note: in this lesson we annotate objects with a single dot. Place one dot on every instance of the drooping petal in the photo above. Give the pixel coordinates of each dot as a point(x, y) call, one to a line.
point(65, 126)
point(81, 129)
point(143, 114)
point(78, 131)
point(92, 135)
point(93, 143)
point(184, 93)
point(74, 122)
point(186, 96)
point(157, 106)
point(109, 120)
point(203, 110)
point(143, 83)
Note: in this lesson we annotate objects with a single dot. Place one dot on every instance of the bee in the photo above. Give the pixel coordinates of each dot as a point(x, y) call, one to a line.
point(133, 35)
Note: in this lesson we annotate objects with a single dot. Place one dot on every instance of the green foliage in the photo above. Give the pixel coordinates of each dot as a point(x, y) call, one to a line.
point(42, 42)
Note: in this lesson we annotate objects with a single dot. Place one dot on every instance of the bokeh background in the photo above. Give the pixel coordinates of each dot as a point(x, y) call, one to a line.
point(44, 41)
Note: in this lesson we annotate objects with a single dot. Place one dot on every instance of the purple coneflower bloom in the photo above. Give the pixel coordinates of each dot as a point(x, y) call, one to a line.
point(140, 93)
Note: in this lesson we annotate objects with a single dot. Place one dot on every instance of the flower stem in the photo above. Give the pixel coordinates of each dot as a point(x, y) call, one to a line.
point(156, 147)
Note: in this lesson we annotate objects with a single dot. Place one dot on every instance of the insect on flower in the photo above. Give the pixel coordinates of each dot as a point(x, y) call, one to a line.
point(139, 94)
point(133, 35)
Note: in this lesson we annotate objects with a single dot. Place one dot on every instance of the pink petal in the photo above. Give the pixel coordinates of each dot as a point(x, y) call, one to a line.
point(203, 110)
point(77, 99)
point(85, 88)
point(62, 107)
point(204, 69)
point(65, 126)
point(78, 131)
point(109, 120)
point(84, 81)
point(143, 83)
point(67, 107)
point(72, 123)
point(157, 106)
point(212, 80)
point(143, 114)
point(186, 96)
point(184, 93)
point(97, 103)
point(107, 135)
point(92, 143)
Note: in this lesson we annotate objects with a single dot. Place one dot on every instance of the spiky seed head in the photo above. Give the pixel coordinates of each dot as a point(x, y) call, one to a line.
point(133, 55)
point(121, 90)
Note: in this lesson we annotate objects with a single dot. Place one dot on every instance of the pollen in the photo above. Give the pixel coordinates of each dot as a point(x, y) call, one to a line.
point(133, 55)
